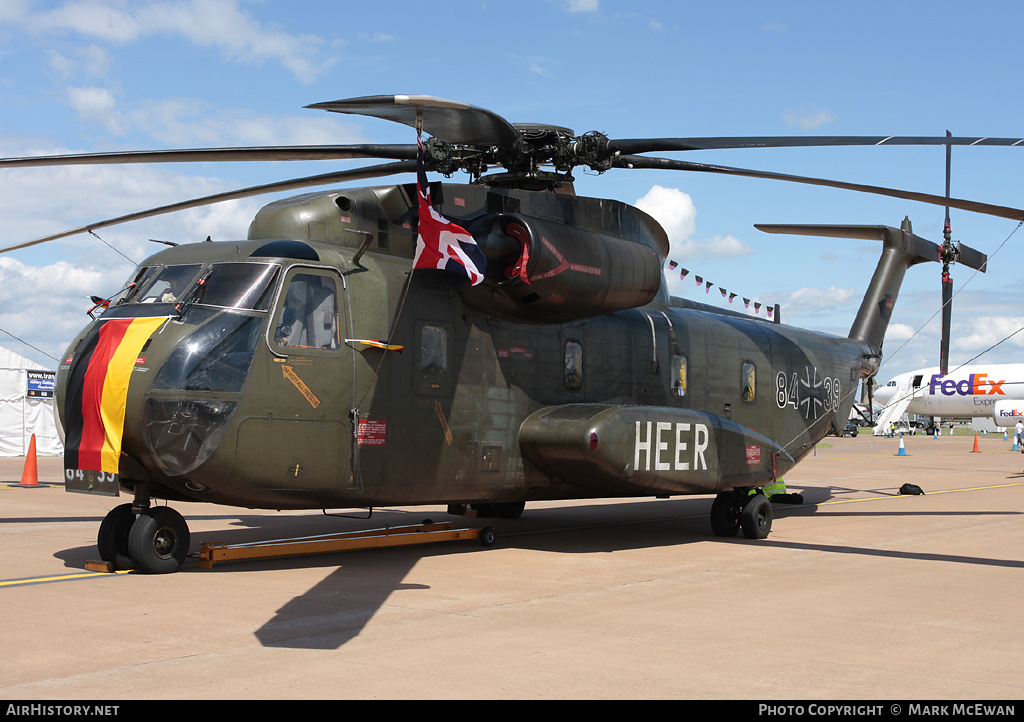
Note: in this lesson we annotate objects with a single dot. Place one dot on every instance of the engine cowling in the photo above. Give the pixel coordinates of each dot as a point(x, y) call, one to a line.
point(1008, 413)
point(543, 271)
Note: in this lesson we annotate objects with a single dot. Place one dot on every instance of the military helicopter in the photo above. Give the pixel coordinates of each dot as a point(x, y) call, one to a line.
point(326, 362)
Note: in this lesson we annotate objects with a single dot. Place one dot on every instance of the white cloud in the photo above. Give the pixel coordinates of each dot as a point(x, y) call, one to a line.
point(810, 300)
point(809, 118)
point(94, 18)
point(191, 122)
point(676, 213)
point(673, 209)
point(46, 305)
point(983, 332)
point(898, 332)
point(718, 247)
point(582, 6)
point(13, 10)
point(538, 66)
point(218, 24)
point(98, 105)
point(89, 61)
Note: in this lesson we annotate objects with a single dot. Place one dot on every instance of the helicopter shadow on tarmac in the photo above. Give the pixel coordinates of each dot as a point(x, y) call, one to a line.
point(337, 609)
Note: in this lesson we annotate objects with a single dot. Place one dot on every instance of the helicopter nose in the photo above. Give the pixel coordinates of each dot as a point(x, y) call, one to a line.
point(157, 392)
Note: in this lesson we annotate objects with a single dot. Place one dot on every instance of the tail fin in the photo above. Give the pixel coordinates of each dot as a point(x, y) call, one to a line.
point(901, 249)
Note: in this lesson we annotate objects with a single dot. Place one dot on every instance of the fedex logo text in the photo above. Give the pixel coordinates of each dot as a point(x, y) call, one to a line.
point(1010, 413)
point(974, 385)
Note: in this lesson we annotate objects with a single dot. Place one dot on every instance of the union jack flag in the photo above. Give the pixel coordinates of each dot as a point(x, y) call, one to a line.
point(439, 242)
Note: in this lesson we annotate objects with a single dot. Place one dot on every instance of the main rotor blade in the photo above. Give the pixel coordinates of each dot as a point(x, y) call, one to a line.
point(639, 161)
point(265, 153)
point(336, 177)
point(648, 145)
point(448, 120)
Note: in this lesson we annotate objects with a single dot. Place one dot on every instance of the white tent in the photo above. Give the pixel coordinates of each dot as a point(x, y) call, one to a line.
point(22, 414)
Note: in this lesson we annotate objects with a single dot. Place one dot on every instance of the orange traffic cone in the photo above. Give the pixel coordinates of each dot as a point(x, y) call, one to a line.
point(975, 450)
point(30, 476)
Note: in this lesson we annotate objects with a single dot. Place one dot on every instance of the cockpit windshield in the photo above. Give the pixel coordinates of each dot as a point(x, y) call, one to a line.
point(165, 285)
point(239, 285)
point(226, 285)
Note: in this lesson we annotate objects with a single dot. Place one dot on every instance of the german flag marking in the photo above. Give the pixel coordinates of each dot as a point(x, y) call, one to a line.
point(95, 410)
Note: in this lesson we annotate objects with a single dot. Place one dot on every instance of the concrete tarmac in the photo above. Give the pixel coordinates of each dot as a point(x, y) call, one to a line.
point(858, 594)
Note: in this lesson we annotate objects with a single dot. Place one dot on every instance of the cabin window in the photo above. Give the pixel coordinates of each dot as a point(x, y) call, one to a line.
point(748, 382)
point(433, 351)
point(679, 375)
point(573, 365)
point(309, 315)
point(432, 375)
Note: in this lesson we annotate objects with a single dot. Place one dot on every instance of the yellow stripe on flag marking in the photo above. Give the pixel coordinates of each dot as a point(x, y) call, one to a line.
point(115, 389)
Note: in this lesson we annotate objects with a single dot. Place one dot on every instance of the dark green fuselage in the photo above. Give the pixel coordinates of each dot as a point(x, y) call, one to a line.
point(567, 387)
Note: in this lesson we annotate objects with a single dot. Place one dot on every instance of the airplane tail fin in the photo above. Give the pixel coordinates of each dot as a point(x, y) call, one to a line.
point(901, 249)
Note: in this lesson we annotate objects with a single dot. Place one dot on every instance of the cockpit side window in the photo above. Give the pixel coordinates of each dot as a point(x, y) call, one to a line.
point(308, 317)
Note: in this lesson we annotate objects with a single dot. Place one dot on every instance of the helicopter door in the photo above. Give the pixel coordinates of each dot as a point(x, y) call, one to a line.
point(299, 437)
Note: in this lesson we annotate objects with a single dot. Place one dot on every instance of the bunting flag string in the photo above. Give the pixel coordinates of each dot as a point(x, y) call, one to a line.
point(770, 309)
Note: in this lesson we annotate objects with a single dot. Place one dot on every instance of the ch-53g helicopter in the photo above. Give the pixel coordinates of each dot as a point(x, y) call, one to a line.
point(323, 363)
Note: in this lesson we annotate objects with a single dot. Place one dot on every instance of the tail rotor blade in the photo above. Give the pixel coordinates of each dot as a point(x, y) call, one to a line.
point(947, 314)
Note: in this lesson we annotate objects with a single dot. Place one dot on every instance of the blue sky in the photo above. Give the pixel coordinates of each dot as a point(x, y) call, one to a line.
point(109, 75)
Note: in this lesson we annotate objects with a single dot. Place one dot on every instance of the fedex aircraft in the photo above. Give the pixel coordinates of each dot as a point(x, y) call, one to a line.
point(994, 390)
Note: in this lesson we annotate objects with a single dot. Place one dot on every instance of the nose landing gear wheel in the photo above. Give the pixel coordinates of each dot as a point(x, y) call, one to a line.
point(112, 539)
point(158, 541)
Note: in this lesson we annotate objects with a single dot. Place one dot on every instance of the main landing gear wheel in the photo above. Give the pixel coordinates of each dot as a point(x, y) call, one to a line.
point(756, 517)
point(725, 514)
point(158, 541)
point(112, 539)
